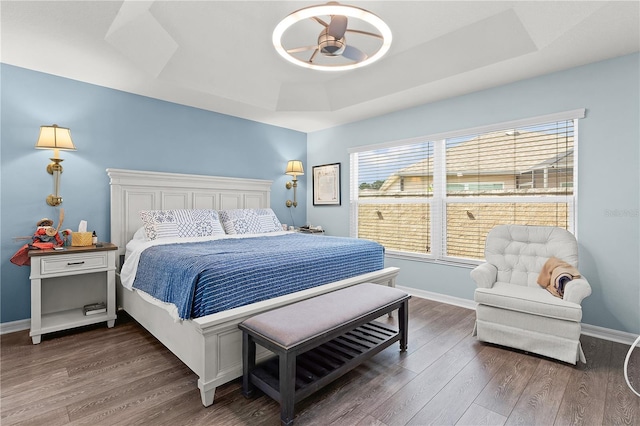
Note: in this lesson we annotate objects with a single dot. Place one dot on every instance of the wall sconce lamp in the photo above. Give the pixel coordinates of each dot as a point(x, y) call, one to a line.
point(56, 138)
point(294, 168)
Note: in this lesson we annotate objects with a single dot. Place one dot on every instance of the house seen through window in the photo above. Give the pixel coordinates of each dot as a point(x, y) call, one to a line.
point(439, 198)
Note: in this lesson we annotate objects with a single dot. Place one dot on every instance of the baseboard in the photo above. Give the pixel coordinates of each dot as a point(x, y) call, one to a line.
point(588, 330)
point(608, 334)
point(13, 326)
point(438, 297)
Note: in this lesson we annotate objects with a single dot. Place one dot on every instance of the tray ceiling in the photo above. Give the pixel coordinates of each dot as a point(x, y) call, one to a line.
point(218, 56)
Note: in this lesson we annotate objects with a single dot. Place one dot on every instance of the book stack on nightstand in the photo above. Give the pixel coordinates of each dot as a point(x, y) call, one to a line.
point(311, 230)
point(94, 308)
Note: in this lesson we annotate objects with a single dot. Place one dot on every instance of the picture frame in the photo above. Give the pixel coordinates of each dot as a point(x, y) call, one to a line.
point(326, 185)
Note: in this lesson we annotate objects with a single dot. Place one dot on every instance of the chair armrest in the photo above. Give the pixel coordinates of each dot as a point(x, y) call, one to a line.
point(484, 275)
point(576, 290)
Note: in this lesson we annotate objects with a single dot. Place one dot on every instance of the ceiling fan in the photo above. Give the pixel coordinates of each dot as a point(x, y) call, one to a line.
point(332, 40)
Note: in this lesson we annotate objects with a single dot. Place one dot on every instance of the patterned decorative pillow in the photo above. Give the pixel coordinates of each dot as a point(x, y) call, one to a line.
point(180, 223)
point(268, 220)
point(249, 221)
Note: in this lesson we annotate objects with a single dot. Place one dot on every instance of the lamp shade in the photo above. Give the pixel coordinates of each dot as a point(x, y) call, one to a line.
point(55, 137)
point(294, 168)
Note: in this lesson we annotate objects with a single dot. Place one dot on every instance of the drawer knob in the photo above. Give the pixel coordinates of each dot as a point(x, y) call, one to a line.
point(75, 263)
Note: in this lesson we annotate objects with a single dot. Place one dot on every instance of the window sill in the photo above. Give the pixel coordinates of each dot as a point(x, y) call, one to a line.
point(426, 258)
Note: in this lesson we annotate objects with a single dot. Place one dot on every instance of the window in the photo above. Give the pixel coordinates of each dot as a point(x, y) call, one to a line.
point(437, 197)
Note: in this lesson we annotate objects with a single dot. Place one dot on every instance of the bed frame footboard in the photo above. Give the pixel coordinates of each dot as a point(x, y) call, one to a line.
point(211, 346)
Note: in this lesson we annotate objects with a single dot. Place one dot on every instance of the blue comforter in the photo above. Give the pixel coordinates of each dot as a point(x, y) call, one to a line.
point(212, 276)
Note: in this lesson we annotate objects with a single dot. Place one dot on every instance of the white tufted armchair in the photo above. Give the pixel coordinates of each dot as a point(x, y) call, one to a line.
point(513, 310)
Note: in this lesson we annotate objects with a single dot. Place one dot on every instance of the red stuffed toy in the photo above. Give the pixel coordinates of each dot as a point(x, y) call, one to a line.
point(45, 237)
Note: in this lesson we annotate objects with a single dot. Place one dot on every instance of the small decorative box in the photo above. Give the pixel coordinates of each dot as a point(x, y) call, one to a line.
point(80, 239)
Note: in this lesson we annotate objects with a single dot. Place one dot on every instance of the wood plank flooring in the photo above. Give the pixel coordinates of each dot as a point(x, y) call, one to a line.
point(124, 376)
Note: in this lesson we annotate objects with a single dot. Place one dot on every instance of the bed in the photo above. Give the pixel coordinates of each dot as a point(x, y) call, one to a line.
point(209, 345)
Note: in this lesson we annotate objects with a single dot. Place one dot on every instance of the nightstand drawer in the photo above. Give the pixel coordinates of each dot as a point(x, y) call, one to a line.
point(71, 263)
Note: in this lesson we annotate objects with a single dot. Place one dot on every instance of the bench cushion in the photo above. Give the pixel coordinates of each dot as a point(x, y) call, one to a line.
point(301, 321)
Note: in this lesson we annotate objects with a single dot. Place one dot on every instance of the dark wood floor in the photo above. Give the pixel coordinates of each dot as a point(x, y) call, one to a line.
point(122, 375)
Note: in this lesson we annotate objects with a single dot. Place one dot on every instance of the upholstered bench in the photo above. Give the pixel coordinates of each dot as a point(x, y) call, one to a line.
point(318, 340)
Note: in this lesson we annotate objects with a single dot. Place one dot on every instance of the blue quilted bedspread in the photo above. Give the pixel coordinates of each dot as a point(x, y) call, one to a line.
point(207, 277)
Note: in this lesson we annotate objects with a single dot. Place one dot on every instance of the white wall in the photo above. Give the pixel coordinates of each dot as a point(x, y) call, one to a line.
point(608, 176)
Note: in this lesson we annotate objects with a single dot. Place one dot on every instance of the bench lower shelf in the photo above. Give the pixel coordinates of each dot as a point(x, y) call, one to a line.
point(325, 363)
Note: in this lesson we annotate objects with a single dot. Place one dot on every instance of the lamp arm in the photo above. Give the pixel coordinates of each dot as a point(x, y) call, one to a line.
point(295, 186)
point(55, 168)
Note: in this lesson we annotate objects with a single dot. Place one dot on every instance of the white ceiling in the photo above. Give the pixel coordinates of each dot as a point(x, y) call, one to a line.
point(218, 56)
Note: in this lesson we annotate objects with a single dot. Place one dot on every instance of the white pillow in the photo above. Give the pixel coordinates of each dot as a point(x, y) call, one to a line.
point(249, 221)
point(180, 223)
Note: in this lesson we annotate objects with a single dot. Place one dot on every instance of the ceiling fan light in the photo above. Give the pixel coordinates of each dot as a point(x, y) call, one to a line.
point(329, 10)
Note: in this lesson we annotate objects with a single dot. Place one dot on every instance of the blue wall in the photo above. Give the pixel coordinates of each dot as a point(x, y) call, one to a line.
point(117, 130)
point(121, 130)
point(608, 176)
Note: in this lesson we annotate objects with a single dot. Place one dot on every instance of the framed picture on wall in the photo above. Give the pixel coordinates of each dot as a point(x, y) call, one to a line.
point(326, 185)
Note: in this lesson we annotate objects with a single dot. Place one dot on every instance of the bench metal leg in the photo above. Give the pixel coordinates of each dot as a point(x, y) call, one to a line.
point(248, 364)
point(287, 387)
point(403, 323)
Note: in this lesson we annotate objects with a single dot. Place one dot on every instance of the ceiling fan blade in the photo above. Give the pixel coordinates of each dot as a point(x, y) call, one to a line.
point(367, 33)
point(302, 49)
point(314, 55)
point(354, 54)
point(320, 21)
point(337, 26)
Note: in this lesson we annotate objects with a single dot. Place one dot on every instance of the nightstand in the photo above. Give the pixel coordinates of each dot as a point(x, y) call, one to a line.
point(63, 281)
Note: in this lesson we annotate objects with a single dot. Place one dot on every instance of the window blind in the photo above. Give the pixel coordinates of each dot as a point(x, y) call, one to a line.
point(394, 186)
point(520, 176)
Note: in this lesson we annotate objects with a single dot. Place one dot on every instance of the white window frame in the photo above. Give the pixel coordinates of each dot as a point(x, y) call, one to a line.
point(438, 203)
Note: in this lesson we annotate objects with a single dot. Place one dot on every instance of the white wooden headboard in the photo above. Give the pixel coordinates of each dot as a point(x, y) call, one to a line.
point(133, 190)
